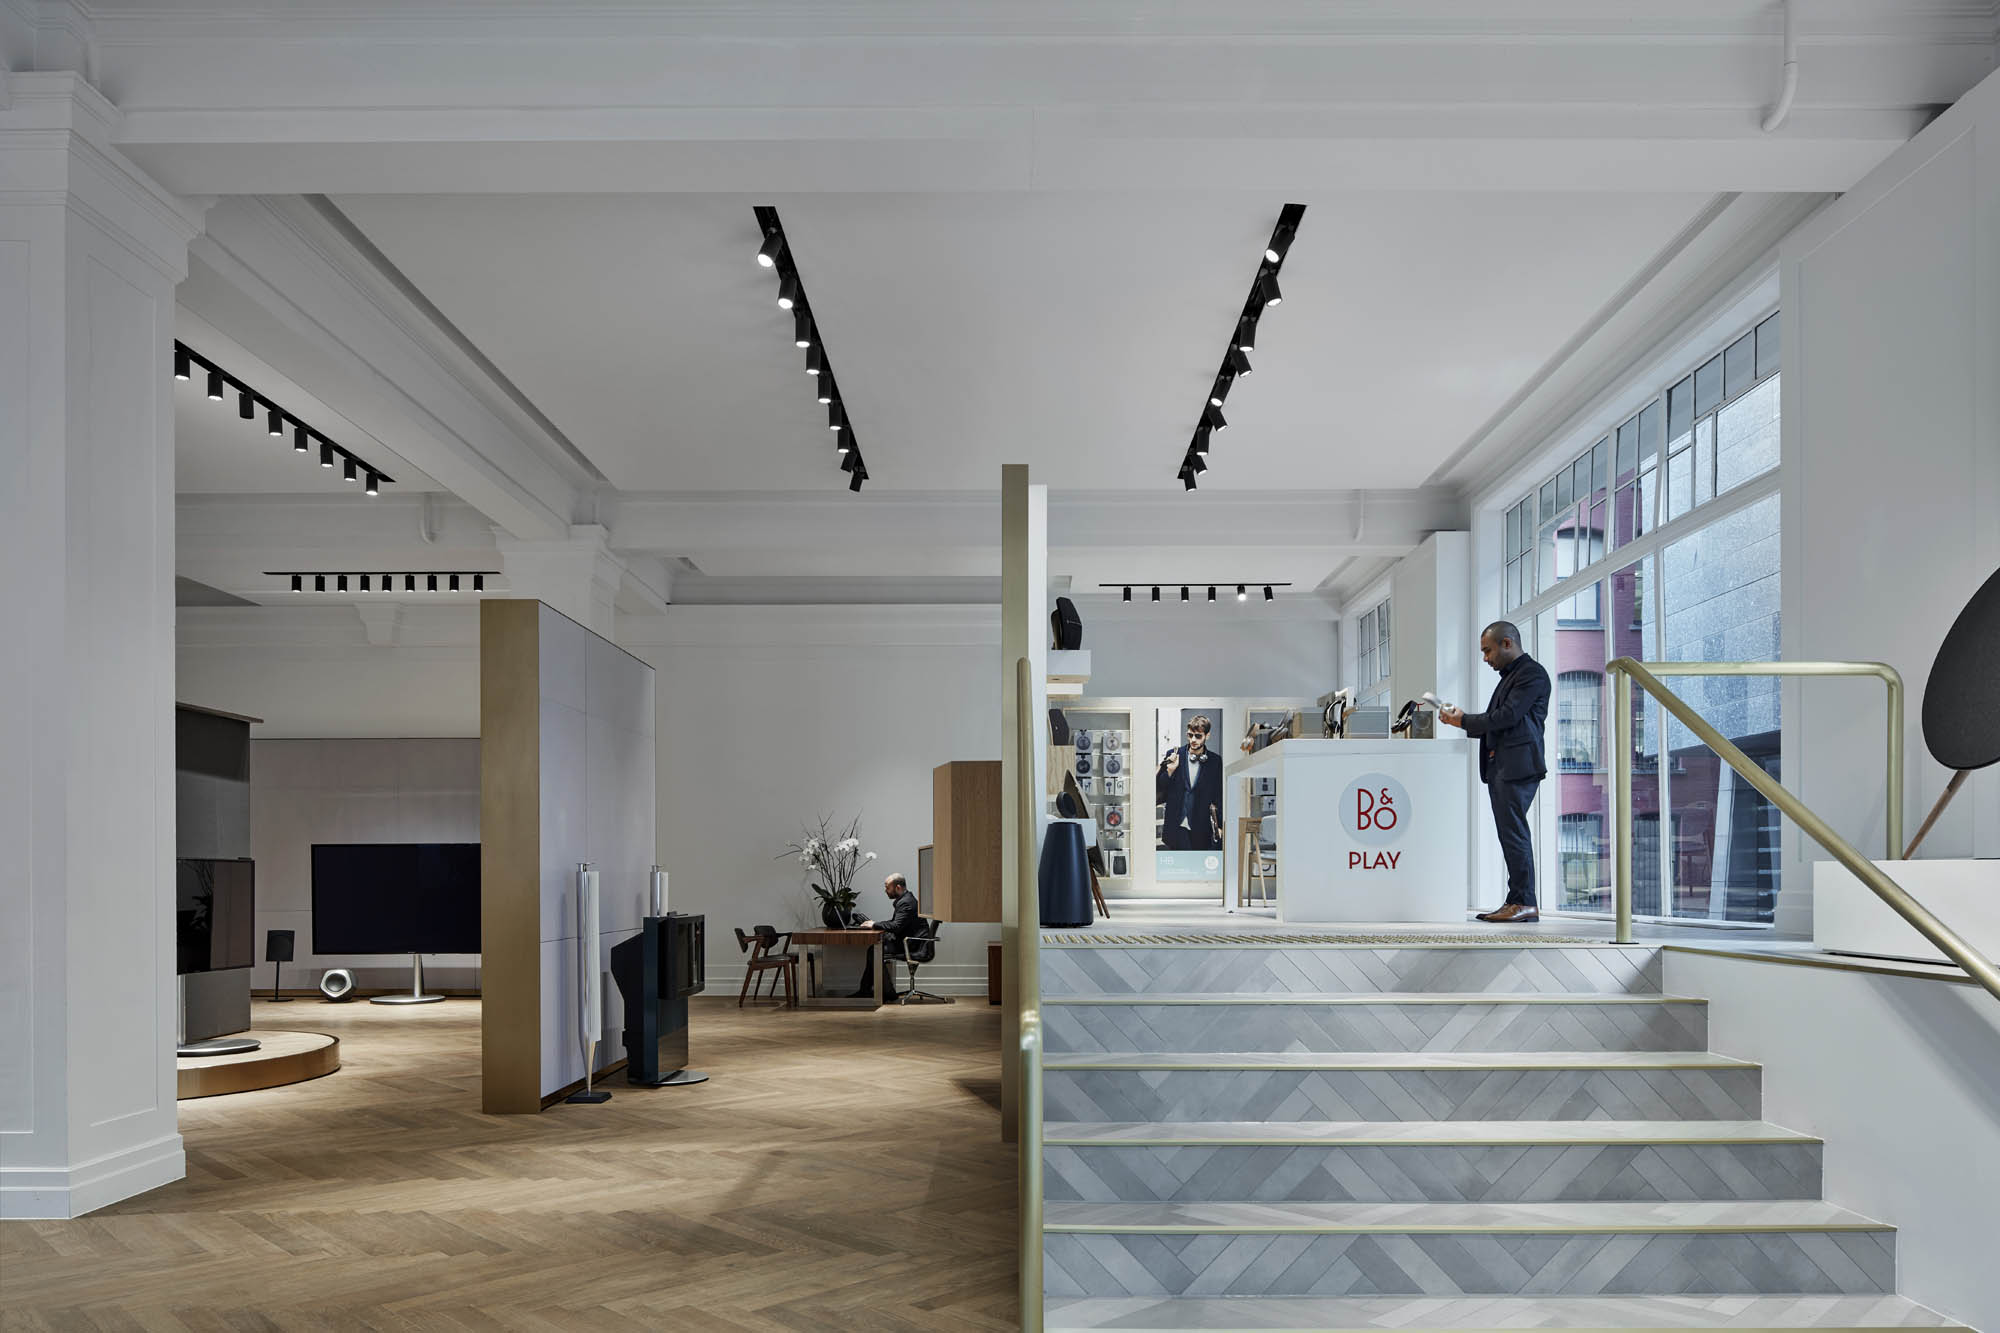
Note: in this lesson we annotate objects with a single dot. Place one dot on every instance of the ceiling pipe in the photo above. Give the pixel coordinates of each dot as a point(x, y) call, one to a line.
point(1783, 106)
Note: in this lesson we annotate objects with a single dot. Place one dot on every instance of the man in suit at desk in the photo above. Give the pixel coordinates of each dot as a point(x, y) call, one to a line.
point(1510, 759)
point(1189, 786)
point(903, 920)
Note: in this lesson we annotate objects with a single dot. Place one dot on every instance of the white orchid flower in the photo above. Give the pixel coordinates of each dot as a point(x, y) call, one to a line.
point(868, 858)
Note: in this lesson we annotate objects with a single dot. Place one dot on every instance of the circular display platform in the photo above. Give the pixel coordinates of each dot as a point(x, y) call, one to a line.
point(283, 1057)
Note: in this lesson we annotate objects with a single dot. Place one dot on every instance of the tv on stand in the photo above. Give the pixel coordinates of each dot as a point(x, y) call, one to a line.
point(656, 970)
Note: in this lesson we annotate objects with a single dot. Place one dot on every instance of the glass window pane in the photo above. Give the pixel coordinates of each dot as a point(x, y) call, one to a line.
point(1649, 504)
point(1630, 632)
point(1548, 501)
point(1722, 606)
point(1747, 436)
point(1382, 629)
point(1600, 469)
point(1704, 460)
point(1527, 526)
point(1767, 347)
point(1546, 559)
point(1566, 547)
point(1680, 483)
point(1739, 366)
point(1565, 487)
point(1708, 387)
point(1595, 535)
point(1680, 408)
point(1510, 583)
point(1652, 424)
point(1513, 540)
point(1628, 450)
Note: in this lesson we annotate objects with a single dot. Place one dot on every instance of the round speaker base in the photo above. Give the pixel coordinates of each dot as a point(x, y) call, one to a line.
point(218, 1046)
point(406, 999)
point(679, 1079)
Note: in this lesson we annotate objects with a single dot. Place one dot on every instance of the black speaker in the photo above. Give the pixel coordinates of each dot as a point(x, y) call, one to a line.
point(1068, 626)
point(1058, 727)
point(278, 950)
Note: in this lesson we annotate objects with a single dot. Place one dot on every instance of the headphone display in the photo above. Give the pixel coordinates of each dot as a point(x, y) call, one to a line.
point(1083, 740)
point(1083, 765)
point(1113, 764)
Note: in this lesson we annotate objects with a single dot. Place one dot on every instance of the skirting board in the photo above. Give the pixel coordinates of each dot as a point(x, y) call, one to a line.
point(1849, 919)
point(947, 979)
point(62, 1192)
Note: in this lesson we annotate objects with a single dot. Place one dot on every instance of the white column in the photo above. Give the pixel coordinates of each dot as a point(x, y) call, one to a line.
point(576, 575)
point(90, 252)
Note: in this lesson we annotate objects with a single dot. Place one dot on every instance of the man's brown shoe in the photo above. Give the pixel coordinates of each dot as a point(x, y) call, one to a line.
point(1514, 913)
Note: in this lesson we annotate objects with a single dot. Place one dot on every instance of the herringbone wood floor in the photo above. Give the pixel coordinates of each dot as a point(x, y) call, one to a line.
point(840, 1171)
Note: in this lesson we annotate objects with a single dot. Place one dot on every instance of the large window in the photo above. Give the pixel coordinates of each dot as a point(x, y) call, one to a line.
point(1372, 658)
point(1660, 542)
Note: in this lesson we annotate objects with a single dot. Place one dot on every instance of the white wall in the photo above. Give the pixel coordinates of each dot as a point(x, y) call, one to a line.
point(1229, 649)
point(308, 791)
point(1901, 1077)
point(773, 715)
point(1891, 448)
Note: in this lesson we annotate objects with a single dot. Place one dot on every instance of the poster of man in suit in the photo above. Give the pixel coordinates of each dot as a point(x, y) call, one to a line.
point(1187, 789)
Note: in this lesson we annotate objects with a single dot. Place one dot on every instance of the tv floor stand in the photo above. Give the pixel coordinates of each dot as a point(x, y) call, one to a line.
point(417, 994)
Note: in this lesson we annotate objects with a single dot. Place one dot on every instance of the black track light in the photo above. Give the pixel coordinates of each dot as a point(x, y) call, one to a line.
point(364, 583)
point(215, 386)
point(343, 582)
point(409, 583)
point(1246, 334)
point(479, 583)
point(1195, 462)
point(326, 455)
point(298, 583)
point(1187, 478)
point(827, 389)
point(1212, 418)
point(803, 333)
point(1200, 444)
point(854, 482)
point(850, 460)
point(431, 583)
point(1220, 390)
point(246, 407)
point(277, 424)
point(1128, 595)
point(374, 485)
point(1267, 592)
point(816, 360)
point(347, 471)
point(319, 583)
point(1268, 292)
point(1184, 595)
point(788, 291)
point(454, 583)
point(1241, 594)
point(774, 245)
point(836, 417)
point(1281, 242)
point(1156, 592)
point(182, 363)
point(1211, 592)
point(1237, 362)
point(299, 444)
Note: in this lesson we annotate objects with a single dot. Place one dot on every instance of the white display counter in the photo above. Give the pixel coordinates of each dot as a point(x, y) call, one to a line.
point(1849, 918)
point(1369, 830)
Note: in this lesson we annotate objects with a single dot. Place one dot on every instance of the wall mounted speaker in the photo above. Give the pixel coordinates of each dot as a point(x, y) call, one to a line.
point(336, 983)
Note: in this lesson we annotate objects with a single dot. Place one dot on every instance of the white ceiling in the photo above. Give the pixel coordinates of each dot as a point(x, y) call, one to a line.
point(1075, 332)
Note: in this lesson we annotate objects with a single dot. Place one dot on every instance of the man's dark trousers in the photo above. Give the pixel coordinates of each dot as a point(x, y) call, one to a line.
point(1510, 816)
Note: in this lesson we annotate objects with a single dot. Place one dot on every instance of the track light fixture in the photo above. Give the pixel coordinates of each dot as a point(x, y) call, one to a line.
point(479, 583)
point(1184, 595)
point(342, 580)
point(776, 253)
point(454, 583)
point(319, 583)
point(431, 585)
point(1156, 592)
point(1211, 592)
point(1264, 293)
point(1128, 593)
point(1241, 595)
point(1267, 592)
point(364, 583)
point(298, 583)
point(379, 581)
point(249, 402)
point(409, 583)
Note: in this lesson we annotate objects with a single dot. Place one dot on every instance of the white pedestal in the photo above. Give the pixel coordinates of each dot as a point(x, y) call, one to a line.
point(1849, 918)
point(1345, 853)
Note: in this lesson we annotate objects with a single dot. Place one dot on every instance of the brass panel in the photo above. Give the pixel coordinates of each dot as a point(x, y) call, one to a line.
point(510, 855)
point(965, 840)
point(285, 1057)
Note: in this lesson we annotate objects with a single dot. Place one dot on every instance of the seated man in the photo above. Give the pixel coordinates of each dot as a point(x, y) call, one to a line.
point(903, 920)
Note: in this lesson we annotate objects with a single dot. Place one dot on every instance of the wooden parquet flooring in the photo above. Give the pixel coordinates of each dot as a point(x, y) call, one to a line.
point(840, 1171)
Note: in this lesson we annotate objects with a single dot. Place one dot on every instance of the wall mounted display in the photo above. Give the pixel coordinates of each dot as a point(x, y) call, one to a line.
point(1188, 791)
point(1083, 766)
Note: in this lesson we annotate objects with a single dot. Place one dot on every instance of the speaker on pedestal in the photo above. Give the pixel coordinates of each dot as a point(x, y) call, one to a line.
point(278, 950)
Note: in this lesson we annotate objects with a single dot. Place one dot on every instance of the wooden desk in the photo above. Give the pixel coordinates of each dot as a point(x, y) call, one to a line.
point(814, 998)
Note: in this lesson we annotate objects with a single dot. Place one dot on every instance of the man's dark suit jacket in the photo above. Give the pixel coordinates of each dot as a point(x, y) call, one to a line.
point(1510, 730)
point(903, 919)
point(1170, 790)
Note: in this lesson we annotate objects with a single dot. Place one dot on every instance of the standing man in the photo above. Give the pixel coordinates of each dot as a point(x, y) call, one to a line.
point(1510, 758)
point(1189, 785)
point(903, 920)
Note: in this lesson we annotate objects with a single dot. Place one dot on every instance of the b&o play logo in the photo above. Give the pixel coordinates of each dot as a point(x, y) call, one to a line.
point(1375, 811)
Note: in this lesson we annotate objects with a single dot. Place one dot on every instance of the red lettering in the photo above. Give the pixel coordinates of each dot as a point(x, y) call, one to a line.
point(1393, 858)
point(1364, 809)
point(1385, 814)
point(1354, 860)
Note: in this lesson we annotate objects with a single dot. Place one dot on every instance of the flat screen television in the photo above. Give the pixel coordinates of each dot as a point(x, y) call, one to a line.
point(214, 914)
point(395, 897)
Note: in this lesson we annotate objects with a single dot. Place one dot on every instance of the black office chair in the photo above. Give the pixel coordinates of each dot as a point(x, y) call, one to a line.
point(916, 950)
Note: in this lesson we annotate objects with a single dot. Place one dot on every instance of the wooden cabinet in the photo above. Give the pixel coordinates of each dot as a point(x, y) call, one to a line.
point(965, 839)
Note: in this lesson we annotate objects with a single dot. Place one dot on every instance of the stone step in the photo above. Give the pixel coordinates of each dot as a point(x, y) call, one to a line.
point(1400, 1086)
point(1466, 1161)
point(1373, 1021)
point(1432, 1249)
point(1338, 1314)
point(1197, 965)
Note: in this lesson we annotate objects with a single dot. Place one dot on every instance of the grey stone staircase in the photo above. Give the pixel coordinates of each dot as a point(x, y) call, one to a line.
point(1499, 1135)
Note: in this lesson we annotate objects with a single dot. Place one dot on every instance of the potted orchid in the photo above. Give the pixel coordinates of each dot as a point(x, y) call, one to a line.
point(830, 862)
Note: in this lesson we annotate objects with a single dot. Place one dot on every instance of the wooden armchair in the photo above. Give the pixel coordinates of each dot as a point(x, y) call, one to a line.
point(770, 951)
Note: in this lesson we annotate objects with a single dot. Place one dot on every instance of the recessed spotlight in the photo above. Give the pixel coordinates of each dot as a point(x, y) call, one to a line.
point(215, 386)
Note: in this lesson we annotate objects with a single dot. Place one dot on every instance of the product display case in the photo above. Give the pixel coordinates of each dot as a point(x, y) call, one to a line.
point(1100, 754)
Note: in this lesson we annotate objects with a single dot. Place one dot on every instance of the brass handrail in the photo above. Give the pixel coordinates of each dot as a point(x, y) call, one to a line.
point(1624, 671)
point(1028, 974)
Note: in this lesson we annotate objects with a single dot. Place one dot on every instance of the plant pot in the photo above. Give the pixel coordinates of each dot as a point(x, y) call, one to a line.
point(834, 918)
